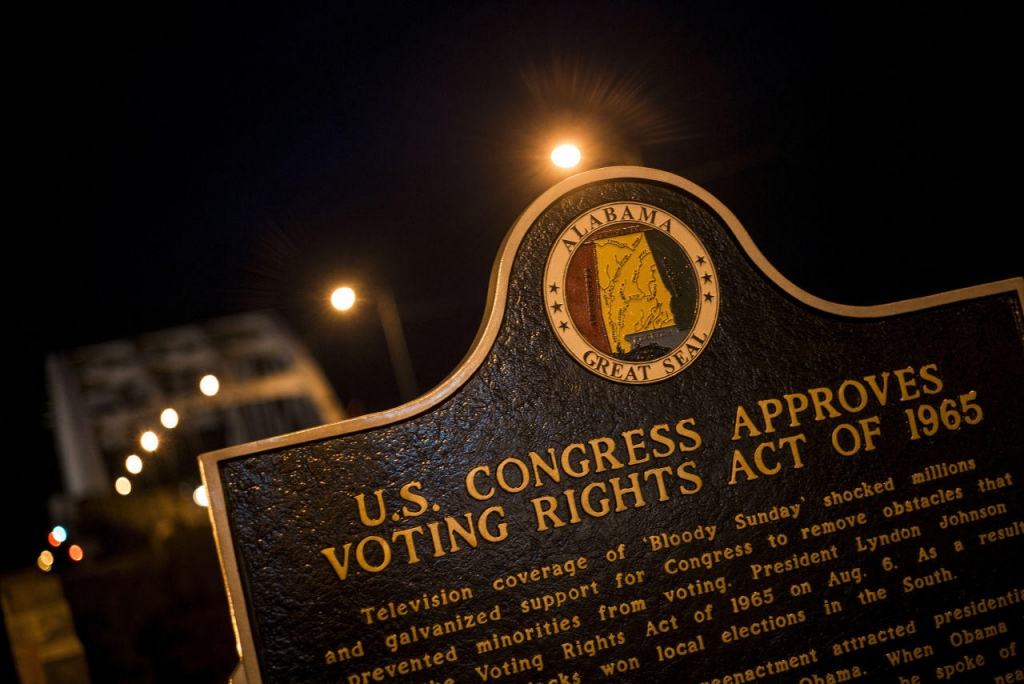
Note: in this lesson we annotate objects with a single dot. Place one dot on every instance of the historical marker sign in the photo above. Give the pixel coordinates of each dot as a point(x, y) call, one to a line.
point(661, 462)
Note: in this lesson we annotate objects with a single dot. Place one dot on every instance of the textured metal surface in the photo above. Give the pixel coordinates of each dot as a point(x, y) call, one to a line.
point(285, 505)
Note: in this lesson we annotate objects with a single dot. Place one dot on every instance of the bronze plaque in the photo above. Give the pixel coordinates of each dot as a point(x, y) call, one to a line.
point(660, 462)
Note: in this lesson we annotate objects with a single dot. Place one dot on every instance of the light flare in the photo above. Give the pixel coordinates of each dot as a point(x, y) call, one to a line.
point(209, 385)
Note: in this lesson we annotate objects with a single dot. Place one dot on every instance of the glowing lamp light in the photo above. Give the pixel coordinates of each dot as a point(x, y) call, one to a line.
point(57, 536)
point(343, 298)
point(75, 552)
point(201, 497)
point(45, 561)
point(123, 486)
point(169, 418)
point(149, 440)
point(209, 385)
point(133, 464)
point(566, 156)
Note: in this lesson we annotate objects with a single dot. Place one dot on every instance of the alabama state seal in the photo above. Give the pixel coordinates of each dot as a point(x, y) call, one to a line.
point(631, 292)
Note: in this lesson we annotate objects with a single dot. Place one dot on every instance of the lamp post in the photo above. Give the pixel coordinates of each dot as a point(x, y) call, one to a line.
point(344, 298)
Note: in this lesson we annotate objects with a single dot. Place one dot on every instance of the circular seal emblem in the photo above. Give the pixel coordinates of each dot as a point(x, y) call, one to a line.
point(631, 292)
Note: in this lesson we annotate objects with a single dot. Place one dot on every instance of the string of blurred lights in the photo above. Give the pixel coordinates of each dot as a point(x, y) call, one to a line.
point(56, 538)
point(209, 385)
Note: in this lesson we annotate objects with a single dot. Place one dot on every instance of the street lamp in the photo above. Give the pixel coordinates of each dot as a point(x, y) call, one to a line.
point(566, 156)
point(344, 298)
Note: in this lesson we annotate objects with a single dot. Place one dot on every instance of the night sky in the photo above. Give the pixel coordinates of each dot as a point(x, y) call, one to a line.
point(174, 163)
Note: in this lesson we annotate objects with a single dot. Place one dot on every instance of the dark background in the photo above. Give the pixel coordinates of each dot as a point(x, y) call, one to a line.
point(175, 163)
